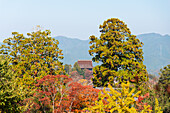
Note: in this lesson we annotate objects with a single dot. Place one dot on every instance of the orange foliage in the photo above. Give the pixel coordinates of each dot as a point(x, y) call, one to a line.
point(139, 104)
point(51, 94)
point(82, 96)
point(58, 93)
point(76, 76)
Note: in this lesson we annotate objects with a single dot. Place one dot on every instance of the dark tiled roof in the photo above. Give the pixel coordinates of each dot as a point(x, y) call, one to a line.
point(85, 64)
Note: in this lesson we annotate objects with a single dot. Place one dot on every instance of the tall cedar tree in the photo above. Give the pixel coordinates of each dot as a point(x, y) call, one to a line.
point(120, 54)
point(34, 56)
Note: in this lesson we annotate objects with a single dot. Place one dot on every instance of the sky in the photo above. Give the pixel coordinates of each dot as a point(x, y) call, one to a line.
point(81, 18)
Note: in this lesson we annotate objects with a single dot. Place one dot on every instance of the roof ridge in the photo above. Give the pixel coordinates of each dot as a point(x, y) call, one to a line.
point(84, 60)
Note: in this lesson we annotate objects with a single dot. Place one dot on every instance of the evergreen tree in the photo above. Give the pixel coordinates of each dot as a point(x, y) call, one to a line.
point(164, 89)
point(67, 68)
point(77, 68)
point(120, 54)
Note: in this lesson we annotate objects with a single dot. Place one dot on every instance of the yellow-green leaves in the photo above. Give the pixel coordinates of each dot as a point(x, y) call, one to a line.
point(118, 50)
point(117, 100)
point(157, 108)
point(10, 91)
point(32, 58)
point(99, 106)
point(120, 100)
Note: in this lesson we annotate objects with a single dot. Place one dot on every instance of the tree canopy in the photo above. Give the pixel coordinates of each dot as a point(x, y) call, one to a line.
point(119, 52)
point(77, 68)
point(68, 68)
point(165, 77)
point(164, 88)
point(34, 56)
point(10, 91)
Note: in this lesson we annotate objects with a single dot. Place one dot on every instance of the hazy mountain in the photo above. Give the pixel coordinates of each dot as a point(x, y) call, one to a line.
point(73, 49)
point(156, 50)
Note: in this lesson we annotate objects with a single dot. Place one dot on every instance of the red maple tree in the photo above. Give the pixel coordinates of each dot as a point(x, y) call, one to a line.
point(58, 93)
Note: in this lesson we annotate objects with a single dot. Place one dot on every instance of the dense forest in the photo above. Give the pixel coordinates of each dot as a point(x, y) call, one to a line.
point(33, 77)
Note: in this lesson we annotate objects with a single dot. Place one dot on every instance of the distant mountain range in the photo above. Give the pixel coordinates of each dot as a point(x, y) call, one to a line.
point(156, 50)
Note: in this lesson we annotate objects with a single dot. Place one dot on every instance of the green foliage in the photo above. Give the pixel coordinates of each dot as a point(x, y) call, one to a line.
point(164, 79)
point(67, 68)
point(10, 92)
point(164, 89)
point(119, 52)
point(34, 56)
point(77, 68)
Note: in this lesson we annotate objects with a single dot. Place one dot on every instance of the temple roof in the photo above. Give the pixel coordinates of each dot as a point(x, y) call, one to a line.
point(86, 64)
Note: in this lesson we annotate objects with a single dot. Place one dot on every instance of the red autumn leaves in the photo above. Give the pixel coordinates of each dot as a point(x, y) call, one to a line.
point(60, 94)
point(140, 104)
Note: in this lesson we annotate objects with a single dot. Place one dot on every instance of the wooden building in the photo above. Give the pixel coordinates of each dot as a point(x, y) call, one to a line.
point(85, 64)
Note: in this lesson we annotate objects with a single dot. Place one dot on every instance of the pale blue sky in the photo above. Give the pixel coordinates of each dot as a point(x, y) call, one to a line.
point(81, 18)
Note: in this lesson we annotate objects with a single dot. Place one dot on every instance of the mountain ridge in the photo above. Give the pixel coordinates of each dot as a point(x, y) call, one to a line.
point(156, 50)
